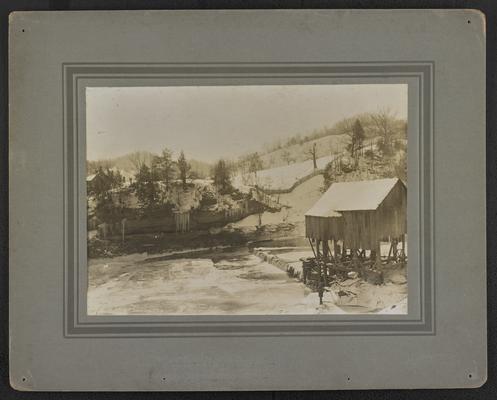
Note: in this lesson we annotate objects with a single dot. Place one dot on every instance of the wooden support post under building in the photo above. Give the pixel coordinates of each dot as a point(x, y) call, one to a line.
point(326, 249)
point(331, 253)
point(312, 247)
point(378, 254)
point(354, 258)
point(390, 251)
point(326, 258)
point(403, 248)
point(336, 249)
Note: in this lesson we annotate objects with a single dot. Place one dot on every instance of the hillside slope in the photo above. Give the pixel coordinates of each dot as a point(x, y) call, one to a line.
point(296, 153)
point(298, 201)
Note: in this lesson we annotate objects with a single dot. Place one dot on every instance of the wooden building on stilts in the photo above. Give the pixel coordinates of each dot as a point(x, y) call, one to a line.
point(351, 219)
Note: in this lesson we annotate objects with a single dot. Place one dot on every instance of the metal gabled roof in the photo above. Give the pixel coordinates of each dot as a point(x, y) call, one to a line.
point(352, 196)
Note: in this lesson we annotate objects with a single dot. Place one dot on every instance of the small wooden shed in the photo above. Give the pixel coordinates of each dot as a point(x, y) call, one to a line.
point(360, 214)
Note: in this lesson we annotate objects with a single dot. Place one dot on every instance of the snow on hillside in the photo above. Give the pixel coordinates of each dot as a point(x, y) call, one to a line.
point(300, 152)
point(299, 201)
point(281, 178)
point(284, 177)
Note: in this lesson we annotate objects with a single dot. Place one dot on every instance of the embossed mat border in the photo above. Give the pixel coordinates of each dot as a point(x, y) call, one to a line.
point(179, 326)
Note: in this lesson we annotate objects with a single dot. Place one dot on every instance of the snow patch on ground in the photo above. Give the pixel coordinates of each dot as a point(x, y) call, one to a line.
point(399, 308)
point(282, 178)
point(299, 200)
point(352, 295)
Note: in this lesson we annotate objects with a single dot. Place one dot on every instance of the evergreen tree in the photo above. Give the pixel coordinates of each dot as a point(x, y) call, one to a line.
point(222, 177)
point(105, 188)
point(184, 168)
point(357, 136)
point(358, 133)
point(147, 187)
point(164, 167)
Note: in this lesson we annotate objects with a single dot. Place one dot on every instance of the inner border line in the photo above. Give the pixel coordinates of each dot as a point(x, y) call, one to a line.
point(69, 66)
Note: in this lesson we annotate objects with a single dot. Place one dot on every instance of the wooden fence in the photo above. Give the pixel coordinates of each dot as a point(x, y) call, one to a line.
point(179, 222)
point(182, 221)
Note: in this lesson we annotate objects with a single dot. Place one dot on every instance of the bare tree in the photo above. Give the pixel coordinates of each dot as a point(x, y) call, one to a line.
point(93, 166)
point(312, 153)
point(384, 122)
point(286, 156)
point(254, 163)
point(137, 159)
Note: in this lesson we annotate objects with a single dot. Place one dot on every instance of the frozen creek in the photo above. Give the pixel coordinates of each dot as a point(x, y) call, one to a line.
point(221, 282)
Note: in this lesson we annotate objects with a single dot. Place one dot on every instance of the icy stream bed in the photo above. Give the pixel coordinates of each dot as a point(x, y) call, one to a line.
point(233, 282)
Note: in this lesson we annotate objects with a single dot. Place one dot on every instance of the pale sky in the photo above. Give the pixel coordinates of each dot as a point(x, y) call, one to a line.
point(210, 122)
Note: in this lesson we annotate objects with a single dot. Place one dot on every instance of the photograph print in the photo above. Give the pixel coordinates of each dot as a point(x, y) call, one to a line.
point(247, 199)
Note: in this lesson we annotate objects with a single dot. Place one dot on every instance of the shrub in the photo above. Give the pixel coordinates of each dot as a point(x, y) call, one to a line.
point(208, 199)
point(369, 153)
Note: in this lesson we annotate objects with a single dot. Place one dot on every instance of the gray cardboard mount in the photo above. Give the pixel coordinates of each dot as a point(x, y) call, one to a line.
point(441, 343)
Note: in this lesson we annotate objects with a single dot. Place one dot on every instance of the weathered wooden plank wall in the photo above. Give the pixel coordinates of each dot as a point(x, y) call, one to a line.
point(363, 229)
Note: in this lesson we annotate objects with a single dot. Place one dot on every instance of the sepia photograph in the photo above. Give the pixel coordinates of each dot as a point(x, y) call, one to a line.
point(233, 200)
point(247, 199)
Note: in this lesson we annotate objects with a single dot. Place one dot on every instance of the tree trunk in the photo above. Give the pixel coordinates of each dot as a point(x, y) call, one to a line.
point(314, 156)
